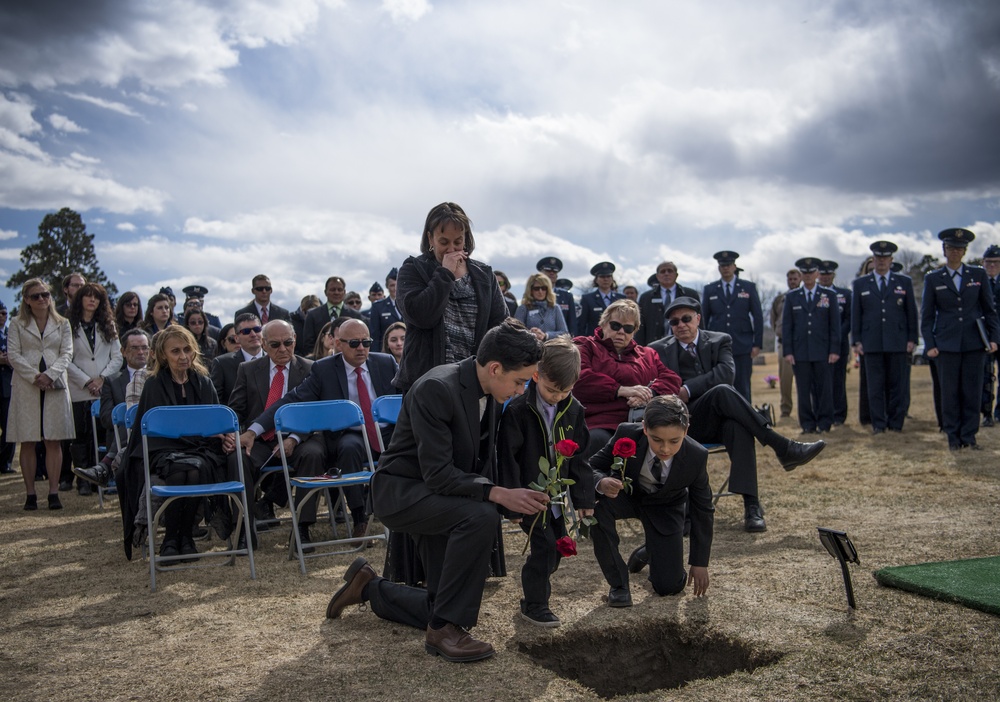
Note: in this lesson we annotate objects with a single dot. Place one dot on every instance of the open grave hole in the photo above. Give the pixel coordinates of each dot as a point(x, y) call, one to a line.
point(656, 656)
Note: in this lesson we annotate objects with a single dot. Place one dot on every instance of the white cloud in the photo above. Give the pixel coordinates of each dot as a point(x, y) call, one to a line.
point(89, 160)
point(6, 234)
point(16, 114)
point(403, 10)
point(125, 226)
point(65, 124)
point(113, 106)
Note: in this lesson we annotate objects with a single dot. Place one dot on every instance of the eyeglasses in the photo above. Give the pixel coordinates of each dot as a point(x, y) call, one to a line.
point(247, 331)
point(35, 297)
point(666, 270)
point(262, 288)
point(287, 343)
point(536, 288)
point(353, 303)
point(687, 319)
point(231, 339)
point(355, 343)
point(618, 326)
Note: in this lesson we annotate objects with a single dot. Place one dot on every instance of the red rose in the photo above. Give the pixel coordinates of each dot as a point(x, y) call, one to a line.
point(566, 547)
point(624, 447)
point(567, 447)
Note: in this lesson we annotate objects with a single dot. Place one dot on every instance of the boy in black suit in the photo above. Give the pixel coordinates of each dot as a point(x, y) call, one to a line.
point(532, 427)
point(666, 469)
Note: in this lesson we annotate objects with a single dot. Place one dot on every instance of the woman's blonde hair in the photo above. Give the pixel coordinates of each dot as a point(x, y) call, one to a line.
point(623, 308)
point(24, 312)
point(550, 296)
point(158, 358)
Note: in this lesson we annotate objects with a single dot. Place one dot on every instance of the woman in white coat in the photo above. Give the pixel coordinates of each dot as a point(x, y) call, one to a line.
point(96, 356)
point(39, 348)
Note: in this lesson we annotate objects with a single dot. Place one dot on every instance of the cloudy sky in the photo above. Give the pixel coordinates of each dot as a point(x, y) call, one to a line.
point(206, 141)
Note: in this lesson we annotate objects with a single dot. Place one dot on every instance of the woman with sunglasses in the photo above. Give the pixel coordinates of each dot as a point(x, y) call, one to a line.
point(128, 312)
point(196, 322)
point(538, 310)
point(40, 349)
point(227, 340)
point(617, 374)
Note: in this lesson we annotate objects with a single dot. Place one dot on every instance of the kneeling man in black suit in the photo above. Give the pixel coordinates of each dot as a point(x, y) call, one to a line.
point(666, 471)
point(436, 483)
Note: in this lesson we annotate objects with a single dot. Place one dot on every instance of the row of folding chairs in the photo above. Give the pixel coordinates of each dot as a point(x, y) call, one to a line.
point(209, 420)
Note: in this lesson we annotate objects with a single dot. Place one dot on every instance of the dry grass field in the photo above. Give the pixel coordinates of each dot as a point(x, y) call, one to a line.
point(77, 621)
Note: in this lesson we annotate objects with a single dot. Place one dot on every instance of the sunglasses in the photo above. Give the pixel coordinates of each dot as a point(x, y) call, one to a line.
point(618, 326)
point(262, 288)
point(666, 270)
point(355, 343)
point(287, 343)
point(536, 288)
point(34, 297)
point(687, 319)
point(250, 330)
point(231, 339)
point(353, 303)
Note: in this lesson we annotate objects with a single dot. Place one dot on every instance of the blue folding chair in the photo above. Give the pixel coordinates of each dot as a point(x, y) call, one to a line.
point(385, 410)
point(99, 451)
point(193, 420)
point(304, 418)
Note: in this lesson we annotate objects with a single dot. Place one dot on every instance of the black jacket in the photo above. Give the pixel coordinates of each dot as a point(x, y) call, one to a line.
point(523, 439)
point(422, 293)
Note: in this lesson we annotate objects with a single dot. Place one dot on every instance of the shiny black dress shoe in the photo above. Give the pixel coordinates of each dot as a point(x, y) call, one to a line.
point(619, 597)
point(799, 453)
point(638, 560)
point(753, 520)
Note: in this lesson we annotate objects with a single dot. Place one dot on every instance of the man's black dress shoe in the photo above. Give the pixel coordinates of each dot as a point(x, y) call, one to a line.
point(187, 548)
point(65, 485)
point(799, 453)
point(456, 645)
point(619, 597)
point(170, 547)
point(753, 520)
point(878, 430)
point(357, 577)
point(638, 560)
point(305, 538)
point(83, 488)
point(987, 421)
point(98, 475)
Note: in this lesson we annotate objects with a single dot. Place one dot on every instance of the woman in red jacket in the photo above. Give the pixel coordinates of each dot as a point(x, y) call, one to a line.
point(617, 374)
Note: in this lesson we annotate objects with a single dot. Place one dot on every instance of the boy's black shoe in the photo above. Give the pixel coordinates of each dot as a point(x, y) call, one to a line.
point(638, 560)
point(619, 597)
point(539, 615)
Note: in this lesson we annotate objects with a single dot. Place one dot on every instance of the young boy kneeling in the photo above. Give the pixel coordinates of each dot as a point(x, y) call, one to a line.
point(531, 426)
point(666, 467)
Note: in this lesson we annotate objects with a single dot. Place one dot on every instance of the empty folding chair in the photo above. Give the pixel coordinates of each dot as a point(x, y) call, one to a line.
point(385, 410)
point(304, 418)
point(175, 422)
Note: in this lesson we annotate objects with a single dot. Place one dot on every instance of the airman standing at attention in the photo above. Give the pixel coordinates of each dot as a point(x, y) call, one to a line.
point(732, 305)
point(827, 272)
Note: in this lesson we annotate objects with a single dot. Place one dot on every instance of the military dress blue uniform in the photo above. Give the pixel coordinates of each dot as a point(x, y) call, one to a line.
point(564, 298)
point(593, 304)
point(810, 332)
point(738, 314)
point(844, 296)
point(884, 321)
point(991, 394)
point(956, 313)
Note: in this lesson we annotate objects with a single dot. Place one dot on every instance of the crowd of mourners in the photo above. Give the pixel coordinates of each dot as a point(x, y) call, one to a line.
point(665, 372)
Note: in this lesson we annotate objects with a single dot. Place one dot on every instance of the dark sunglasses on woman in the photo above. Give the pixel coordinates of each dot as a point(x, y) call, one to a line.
point(618, 326)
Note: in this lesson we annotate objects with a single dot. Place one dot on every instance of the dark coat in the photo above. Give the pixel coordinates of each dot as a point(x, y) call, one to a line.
point(383, 313)
point(603, 370)
point(884, 324)
point(223, 370)
point(423, 289)
point(715, 352)
point(524, 438)
point(949, 316)
point(741, 317)
point(253, 383)
point(273, 312)
point(435, 448)
point(652, 312)
point(687, 484)
point(811, 332)
point(298, 321)
point(591, 308)
point(130, 476)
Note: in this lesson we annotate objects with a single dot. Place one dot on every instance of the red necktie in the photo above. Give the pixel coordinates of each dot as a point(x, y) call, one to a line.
point(366, 408)
point(263, 315)
point(273, 395)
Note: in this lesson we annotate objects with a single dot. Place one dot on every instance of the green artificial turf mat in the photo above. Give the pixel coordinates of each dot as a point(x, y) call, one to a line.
point(974, 582)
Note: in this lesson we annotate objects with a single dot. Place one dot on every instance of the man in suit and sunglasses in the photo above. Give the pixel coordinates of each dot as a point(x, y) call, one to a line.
point(224, 367)
point(261, 305)
point(358, 375)
point(720, 415)
point(259, 384)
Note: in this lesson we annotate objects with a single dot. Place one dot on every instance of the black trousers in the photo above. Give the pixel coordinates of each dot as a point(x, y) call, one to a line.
point(308, 460)
point(744, 369)
point(813, 383)
point(839, 381)
point(961, 378)
point(665, 548)
point(543, 558)
point(454, 537)
point(723, 416)
point(864, 411)
point(6, 448)
point(886, 379)
point(347, 454)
